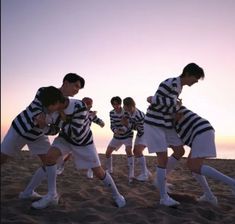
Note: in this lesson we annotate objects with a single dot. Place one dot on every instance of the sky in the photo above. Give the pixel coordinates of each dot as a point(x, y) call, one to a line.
point(122, 48)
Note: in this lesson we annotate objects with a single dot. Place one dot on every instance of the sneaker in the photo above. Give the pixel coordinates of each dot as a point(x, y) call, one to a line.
point(144, 176)
point(168, 201)
point(60, 169)
point(89, 174)
point(211, 199)
point(33, 195)
point(46, 201)
point(120, 201)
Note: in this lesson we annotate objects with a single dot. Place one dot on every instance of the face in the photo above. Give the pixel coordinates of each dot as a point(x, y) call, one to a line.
point(55, 107)
point(116, 106)
point(191, 80)
point(89, 106)
point(72, 88)
point(129, 109)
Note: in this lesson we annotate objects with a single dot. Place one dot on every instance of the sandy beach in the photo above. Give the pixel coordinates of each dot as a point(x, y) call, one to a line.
point(85, 200)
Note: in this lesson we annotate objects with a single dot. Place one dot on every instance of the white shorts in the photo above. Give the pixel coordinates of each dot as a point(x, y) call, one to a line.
point(117, 143)
point(158, 139)
point(85, 157)
point(140, 140)
point(13, 143)
point(204, 145)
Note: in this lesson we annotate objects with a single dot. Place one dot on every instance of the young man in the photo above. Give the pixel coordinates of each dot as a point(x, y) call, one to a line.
point(135, 120)
point(31, 126)
point(197, 133)
point(93, 118)
point(159, 132)
point(122, 135)
point(71, 85)
point(75, 137)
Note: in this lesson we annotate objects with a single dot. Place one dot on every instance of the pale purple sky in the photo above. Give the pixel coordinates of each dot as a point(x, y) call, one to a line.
point(121, 47)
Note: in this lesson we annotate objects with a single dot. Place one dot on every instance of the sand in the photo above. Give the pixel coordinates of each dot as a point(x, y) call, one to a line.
point(84, 200)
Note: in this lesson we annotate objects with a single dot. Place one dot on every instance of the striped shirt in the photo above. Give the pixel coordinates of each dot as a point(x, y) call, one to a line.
point(76, 129)
point(191, 125)
point(137, 121)
point(24, 122)
point(94, 119)
point(164, 103)
point(115, 123)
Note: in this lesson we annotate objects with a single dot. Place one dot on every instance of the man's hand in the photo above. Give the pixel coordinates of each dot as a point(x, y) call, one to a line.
point(40, 120)
point(124, 121)
point(149, 99)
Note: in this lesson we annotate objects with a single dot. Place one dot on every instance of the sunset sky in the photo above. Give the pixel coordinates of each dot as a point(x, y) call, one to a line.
point(120, 47)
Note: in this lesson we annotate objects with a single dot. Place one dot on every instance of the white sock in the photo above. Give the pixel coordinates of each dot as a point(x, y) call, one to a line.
point(204, 184)
point(131, 166)
point(171, 164)
point(161, 179)
point(109, 164)
point(36, 180)
point(215, 174)
point(51, 179)
point(143, 166)
point(108, 182)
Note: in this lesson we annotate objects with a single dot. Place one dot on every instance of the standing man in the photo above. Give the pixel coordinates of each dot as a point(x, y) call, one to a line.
point(159, 132)
point(122, 135)
point(71, 85)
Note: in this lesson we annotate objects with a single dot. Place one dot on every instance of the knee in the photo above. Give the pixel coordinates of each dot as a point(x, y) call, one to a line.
point(50, 160)
point(179, 152)
point(52, 156)
point(99, 172)
point(138, 152)
point(109, 152)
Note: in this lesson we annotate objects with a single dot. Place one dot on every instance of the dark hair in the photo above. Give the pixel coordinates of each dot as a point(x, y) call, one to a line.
point(51, 95)
point(128, 101)
point(193, 69)
point(116, 99)
point(73, 77)
point(87, 100)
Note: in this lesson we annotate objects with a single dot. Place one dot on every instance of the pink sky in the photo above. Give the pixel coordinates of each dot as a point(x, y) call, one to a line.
point(125, 48)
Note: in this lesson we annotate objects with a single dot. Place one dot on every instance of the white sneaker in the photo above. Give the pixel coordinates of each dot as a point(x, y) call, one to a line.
point(144, 176)
point(46, 201)
point(212, 199)
point(33, 195)
point(60, 169)
point(120, 201)
point(168, 201)
point(89, 174)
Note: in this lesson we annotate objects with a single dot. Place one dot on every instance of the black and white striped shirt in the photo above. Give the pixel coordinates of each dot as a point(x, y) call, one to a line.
point(76, 129)
point(164, 103)
point(115, 123)
point(24, 122)
point(191, 125)
point(137, 121)
point(95, 118)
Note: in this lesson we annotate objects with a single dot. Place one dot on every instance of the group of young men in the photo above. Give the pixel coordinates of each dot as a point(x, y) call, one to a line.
point(166, 124)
